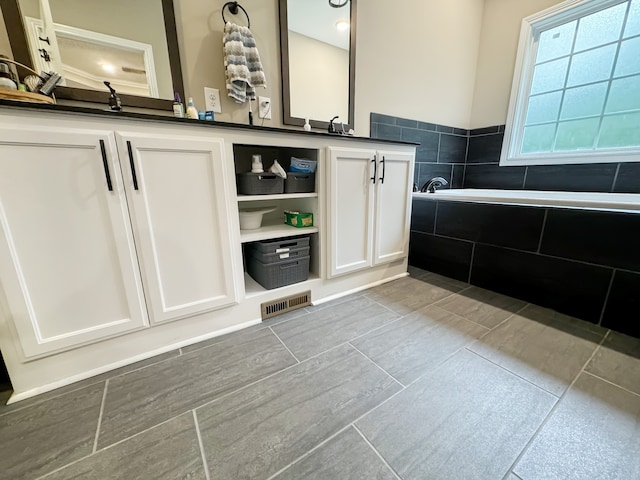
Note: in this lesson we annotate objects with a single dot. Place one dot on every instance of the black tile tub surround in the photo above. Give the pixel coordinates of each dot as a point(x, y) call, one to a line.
point(485, 148)
point(596, 177)
point(623, 308)
point(573, 288)
point(441, 151)
point(628, 178)
point(494, 176)
point(501, 225)
point(446, 256)
point(423, 215)
point(604, 238)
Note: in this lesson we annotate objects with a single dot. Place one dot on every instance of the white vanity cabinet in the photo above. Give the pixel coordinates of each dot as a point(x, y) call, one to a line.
point(369, 208)
point(179, 204)
point(94, 224)
point(68, 264)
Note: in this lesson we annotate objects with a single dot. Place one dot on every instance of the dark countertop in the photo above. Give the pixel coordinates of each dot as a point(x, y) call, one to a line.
point(9, 104)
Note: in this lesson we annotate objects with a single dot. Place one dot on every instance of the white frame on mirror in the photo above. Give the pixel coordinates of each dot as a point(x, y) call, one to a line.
point(35, 29)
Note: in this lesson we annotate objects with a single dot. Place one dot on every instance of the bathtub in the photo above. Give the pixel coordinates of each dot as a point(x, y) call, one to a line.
point(618, 202)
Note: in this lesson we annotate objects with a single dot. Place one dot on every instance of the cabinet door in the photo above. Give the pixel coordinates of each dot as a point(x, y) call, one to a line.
point(179, 202)
point(393, 206)
point(68, 267)
point(350, 209)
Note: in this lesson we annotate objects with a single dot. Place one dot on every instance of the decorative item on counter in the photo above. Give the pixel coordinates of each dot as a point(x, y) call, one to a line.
point(192, 112)
point(32, 82)
point(201, 115)
point(256, 164)
point(307, 125)
point(115, 105)
point(298, 219)
point(178, 107)
point(277, 169)
point(209, 116)
point(6, 77)
point(302, 165)
point(41, 86)
point(22, 87)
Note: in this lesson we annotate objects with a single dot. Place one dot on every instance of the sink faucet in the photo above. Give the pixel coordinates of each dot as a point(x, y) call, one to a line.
point(114, 100)
point(434, 183)
point(332, 128)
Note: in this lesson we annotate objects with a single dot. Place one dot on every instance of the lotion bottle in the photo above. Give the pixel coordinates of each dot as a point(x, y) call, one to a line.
point(192, 112)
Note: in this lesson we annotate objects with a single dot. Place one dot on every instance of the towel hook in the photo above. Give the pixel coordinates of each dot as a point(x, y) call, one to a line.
point(233, 8)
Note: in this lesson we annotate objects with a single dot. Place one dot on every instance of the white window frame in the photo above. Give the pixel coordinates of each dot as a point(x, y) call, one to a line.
point(522, 78)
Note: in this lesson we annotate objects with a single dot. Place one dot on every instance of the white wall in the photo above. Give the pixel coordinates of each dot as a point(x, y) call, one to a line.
point(319, 74)
point(497, 57)
point(417, 59)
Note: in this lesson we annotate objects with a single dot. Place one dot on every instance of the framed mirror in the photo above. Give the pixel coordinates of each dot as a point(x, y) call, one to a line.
point(133, 45)
point(318, 61)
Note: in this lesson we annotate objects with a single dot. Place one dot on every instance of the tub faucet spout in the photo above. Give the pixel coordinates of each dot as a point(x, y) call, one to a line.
point(434, 183)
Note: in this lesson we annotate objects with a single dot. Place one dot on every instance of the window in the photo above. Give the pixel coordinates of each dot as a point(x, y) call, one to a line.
point(576, 88)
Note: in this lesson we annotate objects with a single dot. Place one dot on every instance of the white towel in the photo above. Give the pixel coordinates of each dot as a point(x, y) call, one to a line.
point(242, 63)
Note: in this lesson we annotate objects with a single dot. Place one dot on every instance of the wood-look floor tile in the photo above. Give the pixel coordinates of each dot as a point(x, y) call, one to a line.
point(168, 451)
point(541, 346)
point(146, 397)
point(467, 419)
point(38, 439)
point(618, 361)
point(482, 306)
point(418, 341)
point(346, 456)
point(408, 294)
point(255, 432)
point(47, 396)
point(594, 433)
point(326, 328)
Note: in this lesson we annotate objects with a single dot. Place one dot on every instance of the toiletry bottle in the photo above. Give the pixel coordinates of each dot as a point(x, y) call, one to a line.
point(178, 107)
point(192, 112)
point(307, 125)
point(256, 164)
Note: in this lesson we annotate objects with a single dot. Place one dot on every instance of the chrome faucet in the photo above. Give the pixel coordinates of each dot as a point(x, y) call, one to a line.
point(434, 183)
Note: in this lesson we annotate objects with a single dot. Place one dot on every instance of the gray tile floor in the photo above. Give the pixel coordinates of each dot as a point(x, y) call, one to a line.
point(422, 378)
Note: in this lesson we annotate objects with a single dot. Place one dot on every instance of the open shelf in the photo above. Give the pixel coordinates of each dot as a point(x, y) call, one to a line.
point(277, 196)
point(253, 288)
point(274, 231)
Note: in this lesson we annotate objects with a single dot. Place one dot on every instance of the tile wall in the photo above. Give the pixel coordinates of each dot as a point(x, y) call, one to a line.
point(582, 263)
point(471, 159)
point(579, 262)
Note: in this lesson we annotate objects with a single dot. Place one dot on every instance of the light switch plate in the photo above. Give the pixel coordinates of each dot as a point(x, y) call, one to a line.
point(212, 99)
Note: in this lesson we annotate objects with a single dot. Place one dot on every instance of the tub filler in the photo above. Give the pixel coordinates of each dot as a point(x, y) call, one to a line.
point(624, 202)
point(575, 252)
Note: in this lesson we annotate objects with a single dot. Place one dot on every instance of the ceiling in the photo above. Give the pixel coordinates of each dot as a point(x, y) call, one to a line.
point(317, 19)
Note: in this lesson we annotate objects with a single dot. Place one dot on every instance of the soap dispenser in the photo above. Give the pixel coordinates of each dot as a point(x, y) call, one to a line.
point(307, 125)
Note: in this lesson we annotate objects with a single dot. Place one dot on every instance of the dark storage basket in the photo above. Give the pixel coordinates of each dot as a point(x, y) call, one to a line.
point(276, 257)
point(280, 245)
point(298, 182)
point(278, 274)
point(259, 183)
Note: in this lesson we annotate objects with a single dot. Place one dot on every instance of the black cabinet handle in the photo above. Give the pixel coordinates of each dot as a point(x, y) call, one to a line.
point(105, 164)
point(133, 166)
point(383, 170)
point(375, 171)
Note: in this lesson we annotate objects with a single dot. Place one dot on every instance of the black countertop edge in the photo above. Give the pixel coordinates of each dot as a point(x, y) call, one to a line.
point(185, 121)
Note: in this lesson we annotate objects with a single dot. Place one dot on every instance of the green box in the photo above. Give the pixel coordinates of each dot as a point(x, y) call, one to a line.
point(298, 219)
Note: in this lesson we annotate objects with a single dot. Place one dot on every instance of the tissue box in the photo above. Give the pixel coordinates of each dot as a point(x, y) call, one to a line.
point(298, 219)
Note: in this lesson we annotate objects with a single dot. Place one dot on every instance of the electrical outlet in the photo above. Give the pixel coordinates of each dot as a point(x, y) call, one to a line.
point(264, 107)
point(212, 99)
